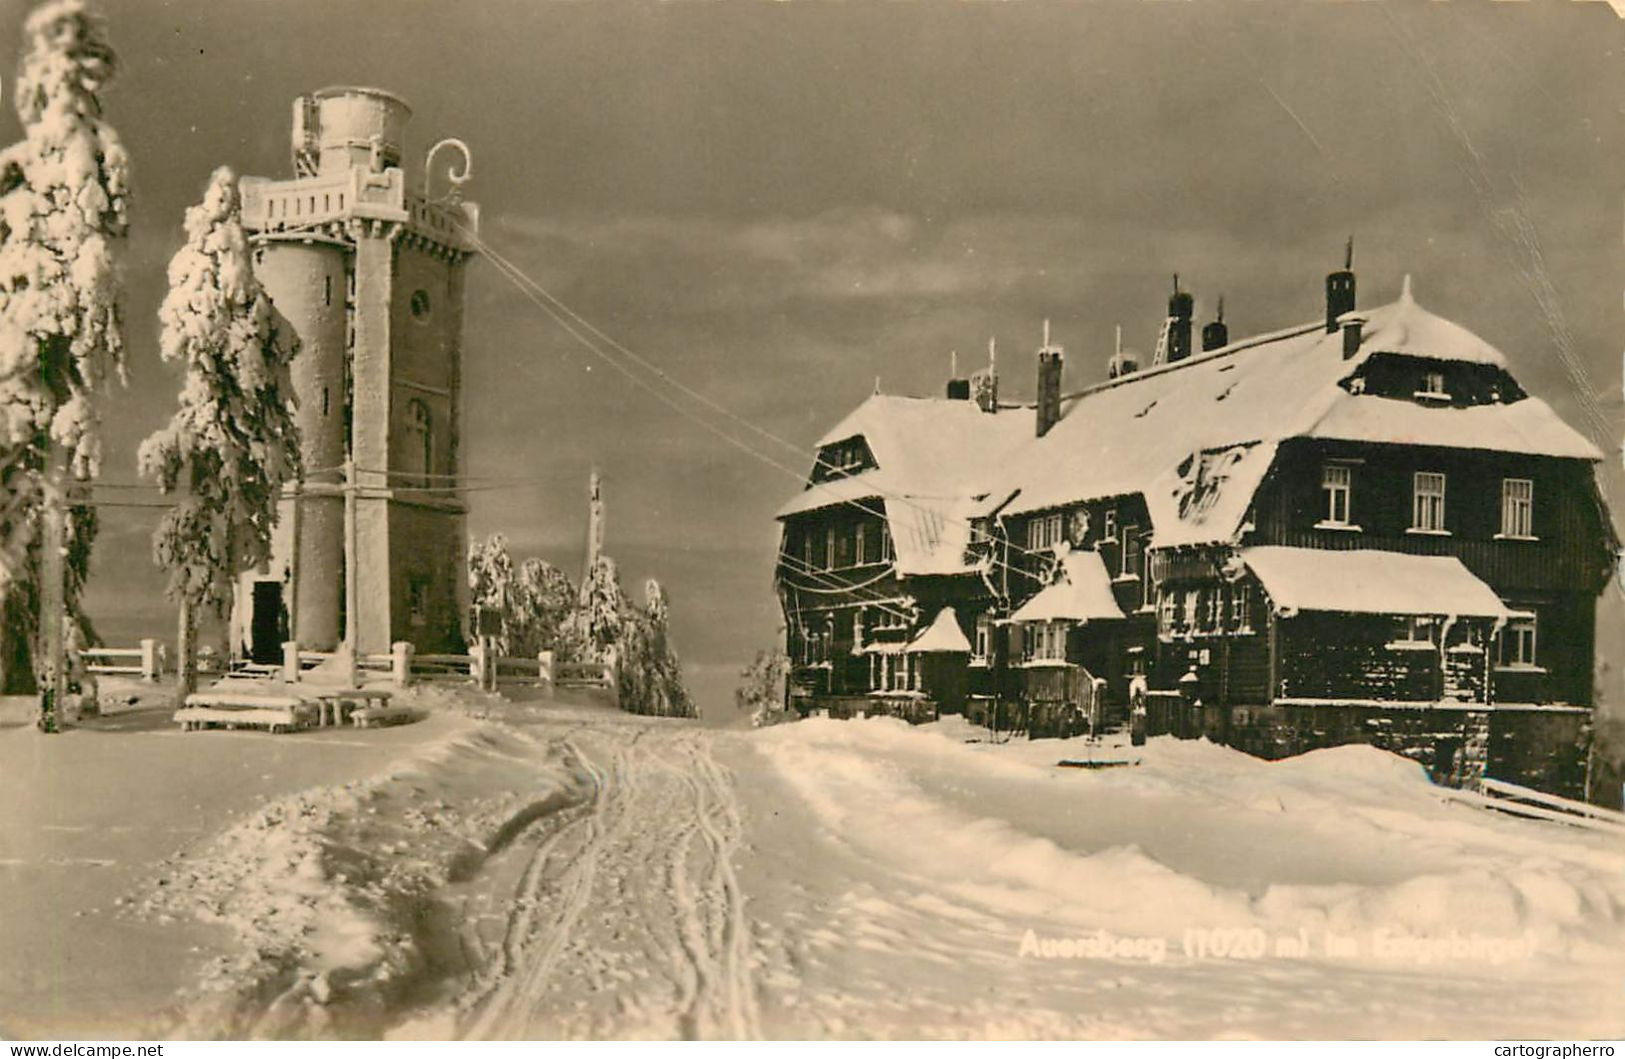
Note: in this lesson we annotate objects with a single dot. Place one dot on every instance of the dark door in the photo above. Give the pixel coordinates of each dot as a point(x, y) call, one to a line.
point(266, 635)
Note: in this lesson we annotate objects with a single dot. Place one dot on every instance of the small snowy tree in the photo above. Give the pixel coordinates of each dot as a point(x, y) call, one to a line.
point(233, 442)
point(63, 209)
point(649, 675)
point(546, 603)
point(761, 691)
point(601, 611)
point(530, 608)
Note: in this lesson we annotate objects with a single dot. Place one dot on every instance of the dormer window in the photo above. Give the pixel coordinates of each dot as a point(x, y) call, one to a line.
point(1432, 387)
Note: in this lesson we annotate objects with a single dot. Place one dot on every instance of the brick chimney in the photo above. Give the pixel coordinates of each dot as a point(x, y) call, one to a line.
point(1051, 362)
point(1216, 335)
point(1353, 325)
point(1340, 289)
point(958, 385)
point(1180, 307)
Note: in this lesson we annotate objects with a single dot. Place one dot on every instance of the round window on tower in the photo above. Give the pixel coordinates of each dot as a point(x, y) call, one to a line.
point(420, 306)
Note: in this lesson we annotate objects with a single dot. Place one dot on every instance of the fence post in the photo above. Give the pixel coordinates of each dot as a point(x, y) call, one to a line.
point(544, 672)
point(290, 661)
point(477, 662)
point(149, 661)
point(400, 662)
point(489, 681)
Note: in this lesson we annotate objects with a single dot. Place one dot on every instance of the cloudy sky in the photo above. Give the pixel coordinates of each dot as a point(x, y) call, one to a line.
point(779, 203)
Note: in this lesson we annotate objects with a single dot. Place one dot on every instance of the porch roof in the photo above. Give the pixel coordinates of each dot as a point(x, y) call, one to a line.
point(1367, 581)
point(944, 635)
point(1082, 591)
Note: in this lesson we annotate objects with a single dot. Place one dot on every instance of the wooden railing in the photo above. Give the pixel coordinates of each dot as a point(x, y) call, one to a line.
point(145, 661)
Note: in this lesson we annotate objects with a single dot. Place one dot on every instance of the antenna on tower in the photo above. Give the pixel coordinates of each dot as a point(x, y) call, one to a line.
point(1046, 332)
point(1220, 315)
point(953, 364)
point(1117, 346)
point(992, 352)
point(1348, 254)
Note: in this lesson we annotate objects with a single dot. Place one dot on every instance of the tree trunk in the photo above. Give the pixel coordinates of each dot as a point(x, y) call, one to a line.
point(52, 660)
point(185, 654)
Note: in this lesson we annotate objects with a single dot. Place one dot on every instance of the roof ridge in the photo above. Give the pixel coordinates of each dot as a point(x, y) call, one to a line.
point(1204, 357)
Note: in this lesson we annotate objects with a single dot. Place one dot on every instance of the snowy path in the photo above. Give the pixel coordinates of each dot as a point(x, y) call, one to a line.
point(626, 913)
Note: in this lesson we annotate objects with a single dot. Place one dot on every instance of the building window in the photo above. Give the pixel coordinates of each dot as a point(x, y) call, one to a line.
point(984, 638)
point(1188, 609)
point(1433, 386)
point(1212, 610)
point(858, 533)
point(1241, 606)
point(1146, 593)
point(421, 447)
point(1517, 646)
point(421, 307)
point(417, 601)
point(1129, 563)
point(887, 552)
point(1044, 532)
point(1166, 614)
point(1046, 641)
point(1108, 530)
point(1517, 507)
point(1417, 629)
point(1427, 503)
point(829, 548)
point(807, 547)
point(857, 629)
point(1335, 480)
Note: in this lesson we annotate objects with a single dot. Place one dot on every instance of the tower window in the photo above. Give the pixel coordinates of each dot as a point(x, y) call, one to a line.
point(421, 307)
point(327, 290)
point(421, 446)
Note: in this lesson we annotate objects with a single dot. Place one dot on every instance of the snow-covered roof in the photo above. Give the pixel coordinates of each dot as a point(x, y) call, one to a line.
point(930, 536)
point(943, 635)
point(1155, 431)
point(1371, 582)
point(1082, 591)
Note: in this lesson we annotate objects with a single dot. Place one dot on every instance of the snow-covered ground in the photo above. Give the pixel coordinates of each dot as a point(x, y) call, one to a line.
point(533, 870)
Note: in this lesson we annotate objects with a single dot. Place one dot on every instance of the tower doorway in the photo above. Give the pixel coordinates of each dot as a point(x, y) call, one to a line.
point(269, 627)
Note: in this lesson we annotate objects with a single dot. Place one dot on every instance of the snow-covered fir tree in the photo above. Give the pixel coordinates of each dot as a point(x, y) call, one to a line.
point(233, 442)
point(601, 611)
point(649, 675)
point(531, 607)
point(63, 212)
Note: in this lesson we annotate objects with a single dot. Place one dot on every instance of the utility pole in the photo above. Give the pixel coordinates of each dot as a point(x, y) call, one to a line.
point(595, 524)
point(53, 602)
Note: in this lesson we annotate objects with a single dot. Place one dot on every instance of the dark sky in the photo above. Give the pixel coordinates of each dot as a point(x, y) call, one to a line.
point(779, 202)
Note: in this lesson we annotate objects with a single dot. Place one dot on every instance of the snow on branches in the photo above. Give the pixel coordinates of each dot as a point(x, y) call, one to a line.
point(63, 206)
point(532, 607)
point(233, 442)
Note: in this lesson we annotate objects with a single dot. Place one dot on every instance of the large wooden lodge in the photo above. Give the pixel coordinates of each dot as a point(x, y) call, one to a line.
point(1360, 529)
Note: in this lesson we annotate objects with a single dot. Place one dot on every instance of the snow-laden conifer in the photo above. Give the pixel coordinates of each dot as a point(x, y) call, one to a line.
point(233, 443)
point(63, 212)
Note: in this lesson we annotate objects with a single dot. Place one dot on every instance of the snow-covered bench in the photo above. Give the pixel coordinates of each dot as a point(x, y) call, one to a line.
point(243, 709)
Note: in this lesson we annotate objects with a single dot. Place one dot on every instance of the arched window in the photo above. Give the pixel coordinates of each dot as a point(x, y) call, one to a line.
point(420, 443)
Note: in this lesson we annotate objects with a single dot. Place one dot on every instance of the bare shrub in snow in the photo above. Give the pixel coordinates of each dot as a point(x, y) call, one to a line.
point(233, 442)
point(63, 210)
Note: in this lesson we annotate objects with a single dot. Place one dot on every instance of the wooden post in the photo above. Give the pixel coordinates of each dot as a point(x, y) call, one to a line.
point(476, 661)
point(488, 652)
point(186, 652)
point(52, 660)
point(149, 661)
point(401, 663)
point(544, 672)
point(290, 661)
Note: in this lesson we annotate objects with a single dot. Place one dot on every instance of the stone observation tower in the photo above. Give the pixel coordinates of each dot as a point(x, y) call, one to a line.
point(366, 264)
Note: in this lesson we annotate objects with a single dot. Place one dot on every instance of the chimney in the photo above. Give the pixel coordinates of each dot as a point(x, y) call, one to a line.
point(1051, 360)
point(1180, 307)
point(1340, 289)
point(985, 383)
point(1122, 362)
point(1216, 335)
point(1353, 325)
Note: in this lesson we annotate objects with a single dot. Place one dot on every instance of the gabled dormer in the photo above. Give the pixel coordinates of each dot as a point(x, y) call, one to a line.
point(843, 459)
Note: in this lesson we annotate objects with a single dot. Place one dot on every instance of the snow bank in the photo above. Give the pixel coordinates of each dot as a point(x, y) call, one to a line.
point(1422, 880)
point(330, 891)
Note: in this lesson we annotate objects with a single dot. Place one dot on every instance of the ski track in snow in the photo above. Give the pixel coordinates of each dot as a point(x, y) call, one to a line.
point(628, 918)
